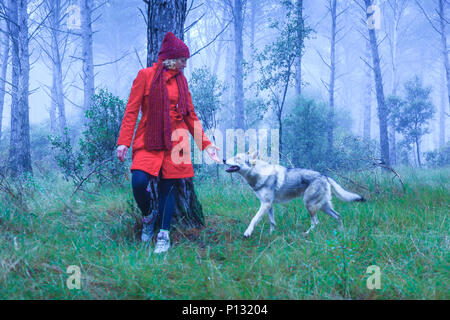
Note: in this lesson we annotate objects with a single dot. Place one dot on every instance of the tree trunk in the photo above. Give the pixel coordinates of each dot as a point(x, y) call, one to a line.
point(188, 74)
point(392, 144)
point(367, 116)
point(382, 112)
point(254, 9)
point(397, 12)
point(418, 153)
point(280, 137)
point(55, 19)
point(443, 22)
point(4, 60)
point(217, 58)
point(300, 39)
point(239, 110)
point(87, 52)
point(53, 107)
point(394, 45)
point(228, 77)
point(164, 16)
point(332, 77)
point(442, 115)
point(19, 160)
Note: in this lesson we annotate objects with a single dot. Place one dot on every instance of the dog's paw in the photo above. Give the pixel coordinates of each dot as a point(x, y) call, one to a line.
point(247, 234)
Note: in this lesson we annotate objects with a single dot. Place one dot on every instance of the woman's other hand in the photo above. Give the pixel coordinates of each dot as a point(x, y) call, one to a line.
point(122, 152)
point(211, 150)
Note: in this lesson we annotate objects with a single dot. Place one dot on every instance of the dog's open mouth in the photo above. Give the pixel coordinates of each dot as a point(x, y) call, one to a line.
point(232, 169)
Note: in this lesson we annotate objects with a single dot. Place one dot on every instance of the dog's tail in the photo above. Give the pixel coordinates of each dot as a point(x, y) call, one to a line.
point(343, 194)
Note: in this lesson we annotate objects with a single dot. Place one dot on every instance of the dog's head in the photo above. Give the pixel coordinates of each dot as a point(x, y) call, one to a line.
point(241, 161)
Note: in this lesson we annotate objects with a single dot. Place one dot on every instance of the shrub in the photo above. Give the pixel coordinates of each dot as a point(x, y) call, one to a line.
point(94, 154)
point(439, 157)
point(306, 141)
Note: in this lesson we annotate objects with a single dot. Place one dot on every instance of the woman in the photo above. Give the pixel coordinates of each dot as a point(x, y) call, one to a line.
point(161, 143)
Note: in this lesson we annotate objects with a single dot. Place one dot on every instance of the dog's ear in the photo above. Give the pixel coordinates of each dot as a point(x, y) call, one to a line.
point(253, 155)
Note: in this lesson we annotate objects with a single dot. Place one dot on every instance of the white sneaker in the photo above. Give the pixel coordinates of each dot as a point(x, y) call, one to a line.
point(162, 242)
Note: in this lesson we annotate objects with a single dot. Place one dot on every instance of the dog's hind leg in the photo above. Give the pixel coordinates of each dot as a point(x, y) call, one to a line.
point(272, 220)
point(328, 209)
point(265, 206)
point(313, 200)
point(312, 210)
point(314, 221)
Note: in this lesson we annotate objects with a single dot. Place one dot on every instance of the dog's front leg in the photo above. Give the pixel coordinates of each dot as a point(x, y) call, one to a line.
point(265, 206)
point(272, 220)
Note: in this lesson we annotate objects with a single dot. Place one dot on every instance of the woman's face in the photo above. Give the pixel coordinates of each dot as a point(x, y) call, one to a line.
point(181, 63)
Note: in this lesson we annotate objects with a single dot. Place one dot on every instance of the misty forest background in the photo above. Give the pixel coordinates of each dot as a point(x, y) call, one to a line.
point(358, 90)
point(343, 84)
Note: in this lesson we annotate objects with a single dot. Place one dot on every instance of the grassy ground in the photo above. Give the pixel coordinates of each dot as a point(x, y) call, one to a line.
point(405, 233)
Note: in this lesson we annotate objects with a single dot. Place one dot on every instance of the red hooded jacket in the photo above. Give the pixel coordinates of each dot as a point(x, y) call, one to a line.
point(174, 163)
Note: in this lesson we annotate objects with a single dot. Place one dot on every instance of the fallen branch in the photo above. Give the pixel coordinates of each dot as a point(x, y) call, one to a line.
point(381, 164)
point(90, 174)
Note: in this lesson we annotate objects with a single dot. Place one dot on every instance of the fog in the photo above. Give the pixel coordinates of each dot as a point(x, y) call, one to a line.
point(120, 44)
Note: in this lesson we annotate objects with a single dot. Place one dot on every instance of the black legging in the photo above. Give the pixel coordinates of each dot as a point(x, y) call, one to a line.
point(166, 203)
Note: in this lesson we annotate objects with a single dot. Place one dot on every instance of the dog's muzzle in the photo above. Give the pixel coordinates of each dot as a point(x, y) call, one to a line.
point(232, 169)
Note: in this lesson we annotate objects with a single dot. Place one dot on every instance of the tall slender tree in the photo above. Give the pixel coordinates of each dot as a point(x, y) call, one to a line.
point(443, 5)
point(19, 159)
point(4, 57)
point(239, 108)
point(370, 11)
point(277, 64)
point(367, 100)
point(87, 54)
point(54, 9)
point(397, 9)
point(439, 24)
point(442, 109)
point(332, 6)
point(300, 39)
point(331, 88)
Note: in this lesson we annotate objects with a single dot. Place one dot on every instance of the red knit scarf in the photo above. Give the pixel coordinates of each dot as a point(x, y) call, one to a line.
point(159, 129)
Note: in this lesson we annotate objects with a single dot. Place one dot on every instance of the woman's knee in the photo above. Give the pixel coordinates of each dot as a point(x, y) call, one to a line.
point(139, 179)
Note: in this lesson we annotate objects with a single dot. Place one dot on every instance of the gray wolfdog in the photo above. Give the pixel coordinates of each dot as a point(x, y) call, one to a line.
point(275, 183)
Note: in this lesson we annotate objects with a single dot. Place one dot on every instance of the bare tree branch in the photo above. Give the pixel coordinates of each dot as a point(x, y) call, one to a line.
point(368, 64)
point(106, 63)
point(143, 16)
point(139, 59)
point(214, 39)
point(194, 23)
point(427, 17)
point(323, 60)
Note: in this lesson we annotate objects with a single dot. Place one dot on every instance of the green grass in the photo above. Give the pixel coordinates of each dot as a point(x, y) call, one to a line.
point(404, 233)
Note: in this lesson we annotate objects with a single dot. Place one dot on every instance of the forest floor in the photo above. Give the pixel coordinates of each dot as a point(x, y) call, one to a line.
point(404, 232)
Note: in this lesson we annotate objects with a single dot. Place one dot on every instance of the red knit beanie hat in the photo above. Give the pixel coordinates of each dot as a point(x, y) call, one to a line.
point(173, 48)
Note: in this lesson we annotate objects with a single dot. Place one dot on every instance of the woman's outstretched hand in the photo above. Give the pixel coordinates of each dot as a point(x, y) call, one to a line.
point(211, 150)
point(122, 152)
